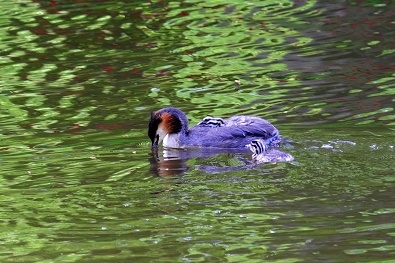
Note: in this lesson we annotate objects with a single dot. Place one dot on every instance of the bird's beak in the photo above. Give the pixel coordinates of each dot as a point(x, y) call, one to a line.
point(156, 141)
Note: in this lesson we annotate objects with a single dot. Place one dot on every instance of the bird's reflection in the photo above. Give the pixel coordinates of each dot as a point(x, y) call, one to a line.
point(168, 161)
point(165, 164)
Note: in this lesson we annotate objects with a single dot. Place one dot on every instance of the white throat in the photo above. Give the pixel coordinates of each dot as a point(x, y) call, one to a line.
point(172, 140)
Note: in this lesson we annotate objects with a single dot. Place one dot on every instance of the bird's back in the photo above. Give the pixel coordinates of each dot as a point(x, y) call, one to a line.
point(237, 132)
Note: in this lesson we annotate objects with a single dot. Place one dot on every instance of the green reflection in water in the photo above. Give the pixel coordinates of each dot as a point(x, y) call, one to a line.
point(279, 51)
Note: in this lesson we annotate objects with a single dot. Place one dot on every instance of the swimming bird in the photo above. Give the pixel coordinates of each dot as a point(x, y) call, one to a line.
point(263, 154)
point(171, 127)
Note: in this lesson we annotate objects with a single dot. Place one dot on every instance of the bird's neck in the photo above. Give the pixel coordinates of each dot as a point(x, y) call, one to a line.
point(173, 140)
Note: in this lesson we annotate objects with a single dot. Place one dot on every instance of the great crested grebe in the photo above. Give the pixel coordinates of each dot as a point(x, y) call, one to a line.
point(170, 126)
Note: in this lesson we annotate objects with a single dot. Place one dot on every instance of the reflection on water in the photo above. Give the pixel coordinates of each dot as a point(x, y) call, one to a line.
point(80, 79)
point(167, 161)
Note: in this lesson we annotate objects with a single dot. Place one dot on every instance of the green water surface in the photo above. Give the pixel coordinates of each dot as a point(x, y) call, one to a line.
point(79, 182)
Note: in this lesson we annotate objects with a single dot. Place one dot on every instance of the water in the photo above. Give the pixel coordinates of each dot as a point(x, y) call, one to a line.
point(79, 182)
